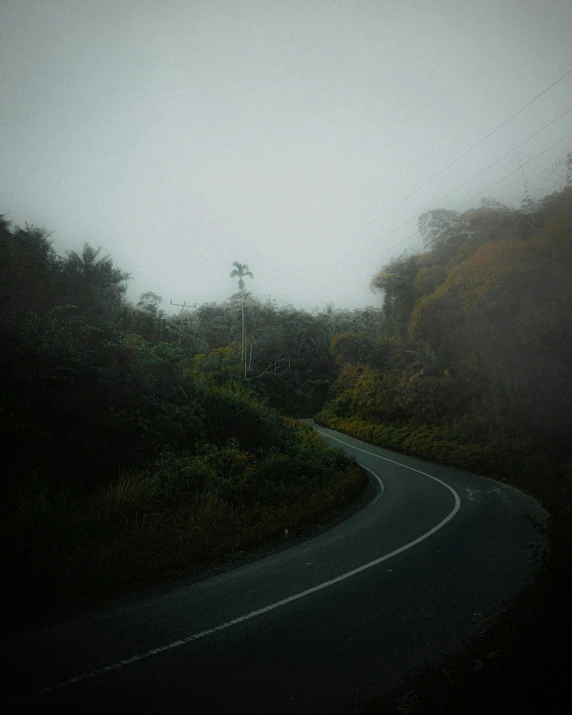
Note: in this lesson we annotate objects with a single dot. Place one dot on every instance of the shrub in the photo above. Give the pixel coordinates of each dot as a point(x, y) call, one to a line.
point(444, 443)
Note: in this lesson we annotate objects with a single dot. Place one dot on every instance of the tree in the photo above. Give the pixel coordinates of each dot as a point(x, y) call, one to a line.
point(240, 271)
point(440, 226)
point(94, 284)
point(395, 281)
point(145, 318)
point(150, 301)
point(29, 270)
point(351, 348)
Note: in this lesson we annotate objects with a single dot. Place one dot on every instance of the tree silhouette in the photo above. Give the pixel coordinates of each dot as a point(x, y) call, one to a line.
point(240, 271)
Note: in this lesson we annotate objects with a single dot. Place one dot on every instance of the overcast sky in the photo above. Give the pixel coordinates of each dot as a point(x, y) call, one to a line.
point(184, 135)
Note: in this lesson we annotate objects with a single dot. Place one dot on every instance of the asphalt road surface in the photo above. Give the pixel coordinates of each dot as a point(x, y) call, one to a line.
point(316, 628)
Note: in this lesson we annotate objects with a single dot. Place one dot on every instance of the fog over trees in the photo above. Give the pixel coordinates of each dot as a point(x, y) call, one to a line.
point(145, 439)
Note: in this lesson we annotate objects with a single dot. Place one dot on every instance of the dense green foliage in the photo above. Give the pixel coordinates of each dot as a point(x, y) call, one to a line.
point(93, 385)
point(144, 440)
point(475, 344)
point(471, 370)
point(286, 360)
point(180, 513)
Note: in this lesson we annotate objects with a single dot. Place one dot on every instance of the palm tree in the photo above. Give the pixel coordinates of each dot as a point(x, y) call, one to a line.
point(240, 271)
point(93, 283)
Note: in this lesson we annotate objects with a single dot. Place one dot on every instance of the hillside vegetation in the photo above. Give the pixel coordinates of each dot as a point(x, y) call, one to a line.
point(145, 444)
point(471, 369)
point(141, 446)
point(472, 365)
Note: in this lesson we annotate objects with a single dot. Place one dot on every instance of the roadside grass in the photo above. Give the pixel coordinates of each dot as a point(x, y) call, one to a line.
point(180, 515)
point(508, 459)
point(520, 661)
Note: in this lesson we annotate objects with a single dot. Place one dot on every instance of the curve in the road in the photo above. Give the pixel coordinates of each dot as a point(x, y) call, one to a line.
point(308, 629)
point(253, 614)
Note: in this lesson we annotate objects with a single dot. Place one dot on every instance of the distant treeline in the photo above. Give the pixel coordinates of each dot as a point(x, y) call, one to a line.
point(93, 384)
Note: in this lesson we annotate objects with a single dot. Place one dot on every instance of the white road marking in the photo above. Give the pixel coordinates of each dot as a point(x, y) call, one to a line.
point(373, 454)
point(381, 487)
point(284, 601)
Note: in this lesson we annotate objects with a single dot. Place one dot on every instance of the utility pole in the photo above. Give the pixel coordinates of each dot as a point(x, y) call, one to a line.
point(187, 324)
point(182, 306)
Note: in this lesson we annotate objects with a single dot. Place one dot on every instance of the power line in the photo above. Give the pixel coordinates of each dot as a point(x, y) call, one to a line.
point(456, 207)
point(388, 248)
point(487, 136)
point(442, 198)
point(515, 170)
point(462, 185)
point(432, 178)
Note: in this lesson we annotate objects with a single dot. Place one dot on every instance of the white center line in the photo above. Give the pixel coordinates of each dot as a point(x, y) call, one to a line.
point(284, 601)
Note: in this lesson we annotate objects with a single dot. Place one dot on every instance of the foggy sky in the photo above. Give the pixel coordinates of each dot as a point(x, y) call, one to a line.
point(182, 136)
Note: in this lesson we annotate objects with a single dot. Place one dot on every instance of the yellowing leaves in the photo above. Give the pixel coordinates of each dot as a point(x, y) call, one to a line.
point(477, 279)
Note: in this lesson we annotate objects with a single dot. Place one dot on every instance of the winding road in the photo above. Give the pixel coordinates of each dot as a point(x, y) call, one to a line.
point(316, 628)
